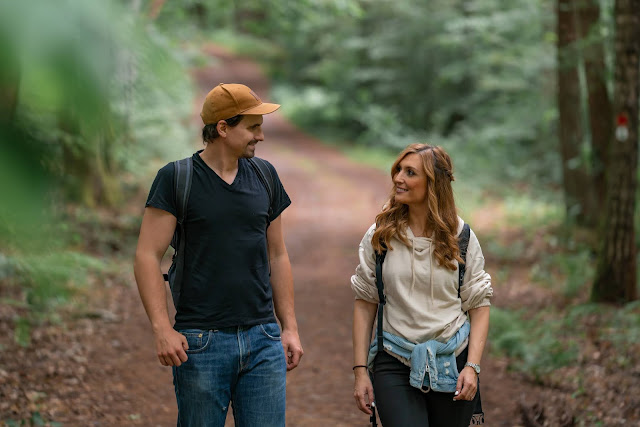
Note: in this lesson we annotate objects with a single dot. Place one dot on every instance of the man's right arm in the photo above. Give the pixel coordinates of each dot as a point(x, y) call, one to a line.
point(156, 232)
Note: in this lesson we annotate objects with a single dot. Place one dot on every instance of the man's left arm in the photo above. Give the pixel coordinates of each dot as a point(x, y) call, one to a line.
point(282, 284)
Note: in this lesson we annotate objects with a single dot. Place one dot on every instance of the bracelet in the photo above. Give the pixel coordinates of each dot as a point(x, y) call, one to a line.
point(359, 366)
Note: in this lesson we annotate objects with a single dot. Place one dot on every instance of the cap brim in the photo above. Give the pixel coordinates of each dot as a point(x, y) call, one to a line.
point(264, 108)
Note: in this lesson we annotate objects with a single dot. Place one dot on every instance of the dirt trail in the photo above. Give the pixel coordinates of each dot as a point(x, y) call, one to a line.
point(103, 372)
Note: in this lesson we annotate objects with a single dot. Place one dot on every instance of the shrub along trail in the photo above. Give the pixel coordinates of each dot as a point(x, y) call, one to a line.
point(100, 368)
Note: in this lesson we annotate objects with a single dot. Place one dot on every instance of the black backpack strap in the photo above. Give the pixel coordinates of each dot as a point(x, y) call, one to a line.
point(266, 177)
point(182, 177)
point(463, 243)
point(182, 184)
point(381, 297)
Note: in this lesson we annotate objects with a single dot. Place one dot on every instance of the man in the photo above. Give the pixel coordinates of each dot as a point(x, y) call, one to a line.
point(225, 345)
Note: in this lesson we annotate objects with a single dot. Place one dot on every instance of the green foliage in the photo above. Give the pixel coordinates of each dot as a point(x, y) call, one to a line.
point(477, 78)
point(43, 283)
point(561, 258)
point(49, 280)
point(380, 159)
point(508, 333)
point(36, 419)
point(626, 328)
point(512, 252)
point(22, 331)
point(248, 46)
point(537, 346)
point(97, 93)
point(154, 97)
point(569, 272)
point(551, 339)
point(24, 187)
point(186, 19)
point(90, 93)
point(529, 212)
point(474, 78)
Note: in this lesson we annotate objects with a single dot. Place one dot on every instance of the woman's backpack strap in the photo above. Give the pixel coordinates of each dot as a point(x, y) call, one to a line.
point(463, 243)
point(381, 298)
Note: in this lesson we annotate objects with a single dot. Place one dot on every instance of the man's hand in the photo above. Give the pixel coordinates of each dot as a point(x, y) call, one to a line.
point(292, 348)
point(171, 346)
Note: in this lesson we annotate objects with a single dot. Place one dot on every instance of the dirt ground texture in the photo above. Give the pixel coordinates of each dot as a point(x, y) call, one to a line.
point(100, 368)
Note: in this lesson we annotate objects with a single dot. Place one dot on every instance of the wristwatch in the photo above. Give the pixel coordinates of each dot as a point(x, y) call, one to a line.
point(475, 367)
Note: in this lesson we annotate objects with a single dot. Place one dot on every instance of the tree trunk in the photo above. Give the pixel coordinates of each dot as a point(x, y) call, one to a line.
point(599, 105)
point(616, 273)
point(571, 135)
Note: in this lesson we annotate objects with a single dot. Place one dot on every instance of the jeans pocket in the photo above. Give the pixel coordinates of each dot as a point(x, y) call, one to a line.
point(271, 331)
point(197, 339)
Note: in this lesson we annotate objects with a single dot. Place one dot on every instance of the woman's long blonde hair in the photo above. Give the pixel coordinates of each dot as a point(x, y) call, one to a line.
point(442, 217)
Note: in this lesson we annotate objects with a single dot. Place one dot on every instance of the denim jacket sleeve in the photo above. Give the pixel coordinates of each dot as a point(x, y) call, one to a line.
point(433, 364)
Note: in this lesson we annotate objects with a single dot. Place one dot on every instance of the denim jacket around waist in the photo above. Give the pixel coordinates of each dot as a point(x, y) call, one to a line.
point(434, 358)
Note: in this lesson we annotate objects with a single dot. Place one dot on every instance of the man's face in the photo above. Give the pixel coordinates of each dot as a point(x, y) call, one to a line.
point(243, 137)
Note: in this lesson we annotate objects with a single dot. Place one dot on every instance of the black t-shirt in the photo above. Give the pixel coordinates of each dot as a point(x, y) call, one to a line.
point(226, 272)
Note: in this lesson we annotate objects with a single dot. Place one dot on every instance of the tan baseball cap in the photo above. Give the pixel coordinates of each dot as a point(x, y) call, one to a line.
point(228, 100)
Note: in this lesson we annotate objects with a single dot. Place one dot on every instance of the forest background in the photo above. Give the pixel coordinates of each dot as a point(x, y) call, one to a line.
point(536, 100)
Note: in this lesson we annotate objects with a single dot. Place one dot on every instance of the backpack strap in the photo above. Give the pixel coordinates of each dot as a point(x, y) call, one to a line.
point(380, 256)
point(182, 177)
point(182, 184)
point(266, 177)
point(463, 243)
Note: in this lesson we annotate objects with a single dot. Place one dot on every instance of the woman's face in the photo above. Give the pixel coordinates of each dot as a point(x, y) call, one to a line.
point(411, 181)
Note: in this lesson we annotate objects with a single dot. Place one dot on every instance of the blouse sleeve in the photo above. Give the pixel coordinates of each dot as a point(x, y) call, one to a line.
point(363, 282)
point(476, 289)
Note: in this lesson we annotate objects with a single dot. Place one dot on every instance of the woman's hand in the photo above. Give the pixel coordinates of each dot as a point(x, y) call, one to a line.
point(467, 384)
point(363, 390)
point(363, 314)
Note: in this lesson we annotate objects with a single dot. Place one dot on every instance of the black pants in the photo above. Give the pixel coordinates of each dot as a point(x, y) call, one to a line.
point(400, 404)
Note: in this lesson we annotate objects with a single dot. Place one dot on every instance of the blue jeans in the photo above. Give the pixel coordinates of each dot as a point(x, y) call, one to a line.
point(242, 365)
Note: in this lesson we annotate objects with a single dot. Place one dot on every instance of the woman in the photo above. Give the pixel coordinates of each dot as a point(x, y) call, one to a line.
point(424, 308)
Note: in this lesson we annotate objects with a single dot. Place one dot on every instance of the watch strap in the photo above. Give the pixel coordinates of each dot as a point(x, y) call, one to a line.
point(474, 366)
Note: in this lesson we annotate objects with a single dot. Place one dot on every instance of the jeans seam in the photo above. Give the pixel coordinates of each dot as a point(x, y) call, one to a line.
point(240, 340)
point(248, 347)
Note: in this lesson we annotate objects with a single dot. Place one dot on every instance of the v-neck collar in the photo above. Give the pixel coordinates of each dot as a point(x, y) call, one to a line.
point(236, 180)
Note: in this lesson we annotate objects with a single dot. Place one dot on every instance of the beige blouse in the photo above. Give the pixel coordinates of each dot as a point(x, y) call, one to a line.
point(422, 297)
